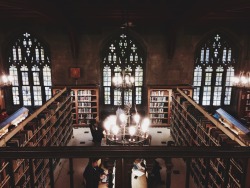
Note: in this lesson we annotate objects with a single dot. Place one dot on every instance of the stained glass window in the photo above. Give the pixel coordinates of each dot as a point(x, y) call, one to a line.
point(29, 65)
point(229, 84)
point(106, 76)
point(117, 97)
point(107, 98)
point(47, 81)
point(214, 70)
point(123, 55)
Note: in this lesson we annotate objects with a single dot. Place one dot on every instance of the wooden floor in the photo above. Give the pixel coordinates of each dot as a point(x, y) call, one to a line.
point(82, 137)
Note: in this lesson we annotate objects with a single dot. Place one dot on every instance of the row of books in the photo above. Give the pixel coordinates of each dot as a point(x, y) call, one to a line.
point(85, 92)
point(189, 126)
point(158, 93)
point(158, 99)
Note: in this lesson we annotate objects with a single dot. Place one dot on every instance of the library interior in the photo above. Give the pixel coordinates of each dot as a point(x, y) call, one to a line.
point(124, 94)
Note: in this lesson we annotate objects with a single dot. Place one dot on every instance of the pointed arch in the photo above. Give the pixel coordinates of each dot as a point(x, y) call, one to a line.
point(122, 53)
point(30, 67)
point(215, 59)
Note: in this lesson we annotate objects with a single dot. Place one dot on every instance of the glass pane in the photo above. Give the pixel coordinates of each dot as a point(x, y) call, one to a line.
point(229, 55)
point(197, 76)
point(107, 98)
point(128, 97)
point(202, 55)
point(224, 55)
point(117, 69)
point(138, 76)
point(26, 96)
point(37, 93)
point(229, 76)
point(228, 95)
point(217, 96)
point(14, 74)
point(207, 55)
point(206, 96)
point(42, 54)
point(15, 94)
point(128, 69)
point(47, 76)
point(37, 54)
point(196, 95)
point(218, 80)
point(208, 79)
point(138, 95)
point(117, 97)
point(106, 76)
point(14, 53)
point(48, 93)
point(25, 78)
point(19, 54)
point(36, 80)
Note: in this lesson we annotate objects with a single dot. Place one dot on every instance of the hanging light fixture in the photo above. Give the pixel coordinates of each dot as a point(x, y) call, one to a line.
point(125, 128)
point(6, 80)
point(123, 80)
point(243, 80)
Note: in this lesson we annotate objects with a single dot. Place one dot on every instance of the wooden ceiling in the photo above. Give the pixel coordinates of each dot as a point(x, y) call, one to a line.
point(115, 12)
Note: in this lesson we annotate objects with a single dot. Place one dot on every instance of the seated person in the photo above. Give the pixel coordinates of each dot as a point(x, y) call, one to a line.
point(110, 178)
point(138, 175)
point(93, 174)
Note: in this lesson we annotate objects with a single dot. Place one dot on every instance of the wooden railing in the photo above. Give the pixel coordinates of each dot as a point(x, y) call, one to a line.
point(121, 153)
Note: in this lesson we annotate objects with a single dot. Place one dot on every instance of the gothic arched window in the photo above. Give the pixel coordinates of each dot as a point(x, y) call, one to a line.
point(214, 71)
point(123, 56)
point(30, 69)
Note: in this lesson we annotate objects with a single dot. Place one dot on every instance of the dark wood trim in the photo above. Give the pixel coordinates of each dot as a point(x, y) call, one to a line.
point(124, 152)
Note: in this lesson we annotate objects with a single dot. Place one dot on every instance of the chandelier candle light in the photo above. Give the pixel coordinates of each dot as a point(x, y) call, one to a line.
point(123, 80)
point(243, 80)
point(125, 128)
point(6, 80)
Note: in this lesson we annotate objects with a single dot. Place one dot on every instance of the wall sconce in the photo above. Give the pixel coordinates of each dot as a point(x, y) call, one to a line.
point(75, 73)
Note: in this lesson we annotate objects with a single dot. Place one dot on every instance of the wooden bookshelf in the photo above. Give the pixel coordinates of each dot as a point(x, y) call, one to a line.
point(191, 125)
point(159, 104)
point(85, 105)
point(50, 125)
point(241, 104)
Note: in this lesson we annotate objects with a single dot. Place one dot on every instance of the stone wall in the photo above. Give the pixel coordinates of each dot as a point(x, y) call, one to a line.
point(170, 55)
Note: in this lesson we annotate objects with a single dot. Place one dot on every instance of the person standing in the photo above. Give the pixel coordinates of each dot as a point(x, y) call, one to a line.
point(93, 173)
point(96, 131)
point(92, 127)
point(155, 176)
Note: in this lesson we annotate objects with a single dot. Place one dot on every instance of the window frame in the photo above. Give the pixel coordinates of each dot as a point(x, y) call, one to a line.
point(139, 58)
point(33, 53)
point(217, 50)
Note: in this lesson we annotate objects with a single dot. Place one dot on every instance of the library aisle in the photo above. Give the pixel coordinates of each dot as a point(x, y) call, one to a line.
point(82, 137)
